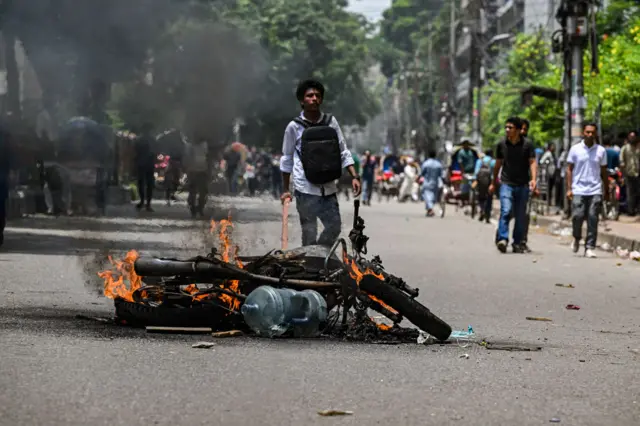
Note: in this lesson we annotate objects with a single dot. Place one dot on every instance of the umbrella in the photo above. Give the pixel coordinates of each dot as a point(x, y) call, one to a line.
point(82, 126)
point(239, 147)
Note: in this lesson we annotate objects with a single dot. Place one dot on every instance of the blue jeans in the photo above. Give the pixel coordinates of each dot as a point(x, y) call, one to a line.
point(513, 202)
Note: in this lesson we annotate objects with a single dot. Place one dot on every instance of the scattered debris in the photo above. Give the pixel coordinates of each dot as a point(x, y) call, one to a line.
point(97, 319)
point(534, 261)
point(230, 333)
point(573, 307)
point(538, 319)
point(178, 330)
point(422, 338)
point(554, 420)
point(511, 348)
point(332, 413)
point(624, 253)
point(203, 345)
point(582, 360)
point(606, 247)
point(634, 255)
point(565, 285)
point(465, 356)
point(461, 334)
point(619, 264)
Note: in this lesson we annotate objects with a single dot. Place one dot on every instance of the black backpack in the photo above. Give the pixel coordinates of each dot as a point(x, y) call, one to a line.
point(320, 151)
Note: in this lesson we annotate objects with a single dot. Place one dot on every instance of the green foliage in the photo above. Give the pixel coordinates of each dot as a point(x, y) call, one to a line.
point(617, 86)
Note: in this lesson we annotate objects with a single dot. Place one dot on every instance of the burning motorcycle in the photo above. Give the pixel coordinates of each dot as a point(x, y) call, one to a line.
point(217, 288)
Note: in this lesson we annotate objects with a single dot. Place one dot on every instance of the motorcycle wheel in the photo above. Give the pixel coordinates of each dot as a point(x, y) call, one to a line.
point(409, 308)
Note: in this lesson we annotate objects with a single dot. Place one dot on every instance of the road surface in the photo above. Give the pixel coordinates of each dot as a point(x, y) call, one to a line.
point(58, 370)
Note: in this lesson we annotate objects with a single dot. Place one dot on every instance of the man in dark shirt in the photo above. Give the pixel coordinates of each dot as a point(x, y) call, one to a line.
point(515, 156)
point(145, 165)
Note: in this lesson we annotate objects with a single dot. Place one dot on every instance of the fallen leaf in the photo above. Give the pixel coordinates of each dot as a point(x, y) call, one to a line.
point(538, 319)
point(331, 413)
point(203, 345)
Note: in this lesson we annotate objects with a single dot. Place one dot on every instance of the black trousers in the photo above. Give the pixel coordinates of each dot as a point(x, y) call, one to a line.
point(198, 187)
point(146, 182)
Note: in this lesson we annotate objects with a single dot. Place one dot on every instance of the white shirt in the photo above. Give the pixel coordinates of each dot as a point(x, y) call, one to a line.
point(587, 165)
point(291, 163)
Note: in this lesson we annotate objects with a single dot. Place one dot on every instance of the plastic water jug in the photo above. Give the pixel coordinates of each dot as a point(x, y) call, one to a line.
point(271, 312)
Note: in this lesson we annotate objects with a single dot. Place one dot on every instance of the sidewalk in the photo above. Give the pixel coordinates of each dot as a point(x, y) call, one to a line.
point(624, 233)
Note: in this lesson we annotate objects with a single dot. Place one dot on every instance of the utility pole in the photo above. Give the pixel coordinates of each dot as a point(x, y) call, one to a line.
point(431, 91)
point(476, 52)
point(452, 73)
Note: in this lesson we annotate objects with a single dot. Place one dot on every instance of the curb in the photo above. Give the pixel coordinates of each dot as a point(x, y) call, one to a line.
point(603, 237)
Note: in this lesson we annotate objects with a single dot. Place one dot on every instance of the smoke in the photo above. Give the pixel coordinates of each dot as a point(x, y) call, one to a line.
point(204, 71)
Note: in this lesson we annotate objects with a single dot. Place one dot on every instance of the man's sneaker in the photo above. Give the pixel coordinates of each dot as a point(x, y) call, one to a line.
point(575, 246)
point(502, 246)
point(590, 254)
point(525, 248)
point(518, 248)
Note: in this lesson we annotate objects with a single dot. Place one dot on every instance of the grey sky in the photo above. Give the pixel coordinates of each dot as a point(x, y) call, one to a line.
point(372, 9)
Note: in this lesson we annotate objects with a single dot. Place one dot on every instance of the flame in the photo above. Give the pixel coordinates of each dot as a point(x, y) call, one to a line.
point(114, 280)
point(357, 275)
point(381, 326)
point(229, 254)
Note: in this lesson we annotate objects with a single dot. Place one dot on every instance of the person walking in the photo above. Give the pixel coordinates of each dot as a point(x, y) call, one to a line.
point(517, 167)
point(538, 153)
point(145, 161)
point(369, 168)
point(587, 181)
point(630, 166)
point(431, 173)
point(482, 179)
point(314, 154)
point(196, 161)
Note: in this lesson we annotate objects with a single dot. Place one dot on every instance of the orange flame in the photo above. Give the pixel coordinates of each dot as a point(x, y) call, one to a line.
point(357, 275)
point(381, 326)
point(229, 254)
point(114, 280)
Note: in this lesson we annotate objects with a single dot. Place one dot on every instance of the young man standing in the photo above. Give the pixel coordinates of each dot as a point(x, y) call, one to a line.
point(587, 179)
point(524, 131)
point(315, 153)
point(516, 158)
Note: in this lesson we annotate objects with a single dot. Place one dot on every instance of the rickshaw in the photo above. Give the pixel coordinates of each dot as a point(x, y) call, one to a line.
point(389, 180)
point(459, 184)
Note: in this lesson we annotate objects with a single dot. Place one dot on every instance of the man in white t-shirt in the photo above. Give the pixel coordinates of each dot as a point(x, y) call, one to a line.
point(587, 179)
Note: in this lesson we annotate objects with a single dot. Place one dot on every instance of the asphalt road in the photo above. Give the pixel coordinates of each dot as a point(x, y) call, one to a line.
point(58, 370)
